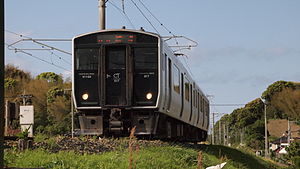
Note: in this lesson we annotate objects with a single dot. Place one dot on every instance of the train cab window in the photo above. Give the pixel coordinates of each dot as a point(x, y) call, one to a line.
point(87, 59)
point(187, 90)
point(145, 80)
point(176, 79)
point(116, 57)
point(145, 58)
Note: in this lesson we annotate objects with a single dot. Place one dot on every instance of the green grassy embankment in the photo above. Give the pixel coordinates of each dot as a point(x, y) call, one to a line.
point(166, 156)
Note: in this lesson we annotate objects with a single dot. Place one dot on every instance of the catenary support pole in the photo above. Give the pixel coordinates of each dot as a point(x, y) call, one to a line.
point(212, 130)
point(224, 134)
point(2, 84)
point(102, 17)
point(220, 133)
point(72, 113)
point(289, 132)
point(266, 131)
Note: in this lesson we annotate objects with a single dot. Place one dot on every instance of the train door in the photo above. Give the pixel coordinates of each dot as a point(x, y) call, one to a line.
point(115, 76)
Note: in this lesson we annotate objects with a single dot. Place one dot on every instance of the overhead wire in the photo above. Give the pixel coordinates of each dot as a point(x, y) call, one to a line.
point(122, 11)
point(16, 34)
point(168, 30)
point(36, 57)
point(37, 42)
point(139, 9)
point(59, 57)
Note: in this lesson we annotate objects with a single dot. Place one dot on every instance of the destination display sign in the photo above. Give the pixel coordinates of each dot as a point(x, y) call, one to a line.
point(116, 38)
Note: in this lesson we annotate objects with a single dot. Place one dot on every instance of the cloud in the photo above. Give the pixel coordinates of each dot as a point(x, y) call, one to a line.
point(204, 55)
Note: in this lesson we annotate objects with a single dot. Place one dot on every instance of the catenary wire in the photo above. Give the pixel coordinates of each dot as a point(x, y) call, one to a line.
point(123, 13)
point(139, 9)
point(168, 30)
point(36, 41)
point(36, 57)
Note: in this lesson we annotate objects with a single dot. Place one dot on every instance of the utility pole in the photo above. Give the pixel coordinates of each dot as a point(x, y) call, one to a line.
point(2, 84)
point(224, 134)
point(220, 137)
point(289, 132)
point(227, 134)
point(241, 136)
point(266, 130)
point(25, 97)
point(213, 132)
point(102, 17)
point(72, 112)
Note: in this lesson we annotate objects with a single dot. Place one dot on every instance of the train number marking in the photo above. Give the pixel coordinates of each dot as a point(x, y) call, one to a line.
point(116, 77)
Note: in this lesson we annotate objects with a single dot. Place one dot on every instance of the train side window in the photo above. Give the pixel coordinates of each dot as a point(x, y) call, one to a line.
point(187, 90)
point(195, 101)
point(203, 105)
point(207, 109)
point(176, 79)
point(164, 61)
point(198, 106)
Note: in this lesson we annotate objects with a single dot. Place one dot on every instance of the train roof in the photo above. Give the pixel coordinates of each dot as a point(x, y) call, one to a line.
point(119, 30)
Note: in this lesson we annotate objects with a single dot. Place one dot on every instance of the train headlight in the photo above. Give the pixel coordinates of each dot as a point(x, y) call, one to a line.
point(85, 96)
point(149, 96)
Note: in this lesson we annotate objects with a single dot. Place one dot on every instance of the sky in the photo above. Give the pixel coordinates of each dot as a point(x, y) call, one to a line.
point(243, 46)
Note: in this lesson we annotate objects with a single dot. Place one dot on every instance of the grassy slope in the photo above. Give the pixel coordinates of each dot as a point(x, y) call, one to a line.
point(237, 158)
point(150, 157)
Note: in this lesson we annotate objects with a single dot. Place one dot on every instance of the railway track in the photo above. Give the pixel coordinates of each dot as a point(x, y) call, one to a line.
point(85, 145)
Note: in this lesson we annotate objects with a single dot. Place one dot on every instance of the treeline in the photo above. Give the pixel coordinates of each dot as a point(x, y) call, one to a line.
point(51, 98)
point(246, 125)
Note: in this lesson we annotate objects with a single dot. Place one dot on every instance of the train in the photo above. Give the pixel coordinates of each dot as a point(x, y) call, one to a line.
point(126, 78)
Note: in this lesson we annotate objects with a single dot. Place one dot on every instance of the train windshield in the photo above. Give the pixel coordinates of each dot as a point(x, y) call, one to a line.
point(116, 57)
point(145, 58)
point(87, 59)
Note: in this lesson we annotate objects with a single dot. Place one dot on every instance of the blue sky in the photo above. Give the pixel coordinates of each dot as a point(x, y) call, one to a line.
point(244, 46)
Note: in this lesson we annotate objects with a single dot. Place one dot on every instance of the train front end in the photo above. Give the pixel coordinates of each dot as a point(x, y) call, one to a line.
point(115, 81)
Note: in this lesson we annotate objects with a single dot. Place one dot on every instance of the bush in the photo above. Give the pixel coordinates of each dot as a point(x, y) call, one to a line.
point(296, 161)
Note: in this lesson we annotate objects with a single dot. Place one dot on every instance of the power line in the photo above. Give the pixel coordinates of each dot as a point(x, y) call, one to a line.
point(168, 30)
point(144, 16)
point(59, 57)
point(11, 47)
point(36, 57)
point(156, 18)
point(37, 41)
point(123, 13)
point(227, 105)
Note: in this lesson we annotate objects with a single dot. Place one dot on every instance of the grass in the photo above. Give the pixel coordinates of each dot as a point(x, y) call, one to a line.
point(169, 157)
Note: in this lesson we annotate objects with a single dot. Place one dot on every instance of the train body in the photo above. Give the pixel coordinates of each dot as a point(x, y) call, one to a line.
point(125, 78)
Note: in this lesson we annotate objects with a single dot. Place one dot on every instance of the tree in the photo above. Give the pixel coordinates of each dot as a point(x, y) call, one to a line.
point(53, 93)
point(14, 81)
point(39, 100)
point(288, 101)
point(50, 77)
point(294, 153)
point(255, 135)
point(278, 87)
point(15, 73)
